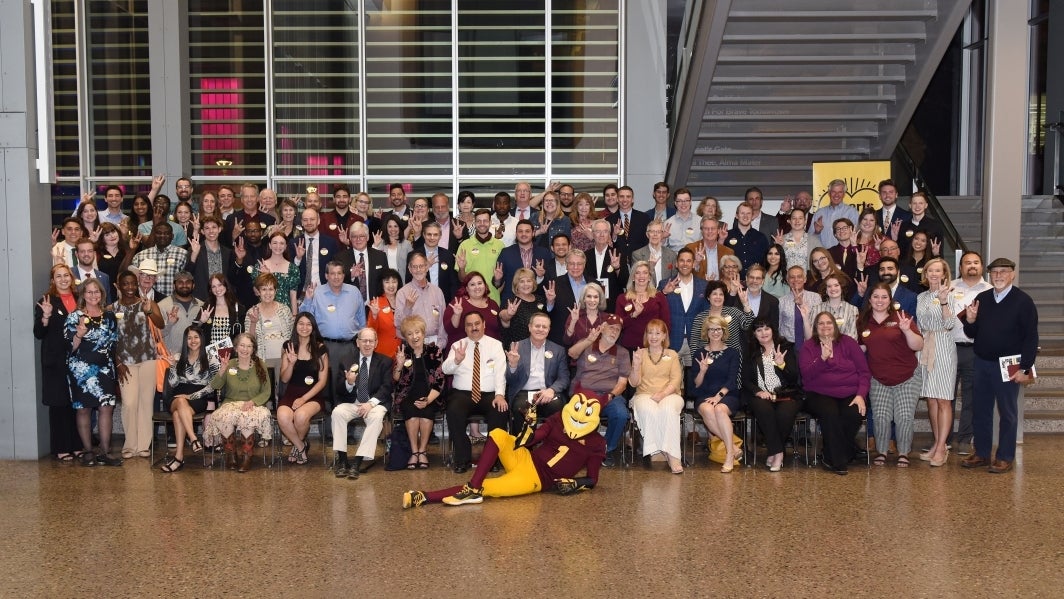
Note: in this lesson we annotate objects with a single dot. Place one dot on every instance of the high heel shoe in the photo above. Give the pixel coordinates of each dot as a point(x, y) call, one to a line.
point(942, 462)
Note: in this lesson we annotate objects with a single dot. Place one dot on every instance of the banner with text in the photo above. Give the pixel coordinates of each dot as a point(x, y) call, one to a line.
point(862, 178)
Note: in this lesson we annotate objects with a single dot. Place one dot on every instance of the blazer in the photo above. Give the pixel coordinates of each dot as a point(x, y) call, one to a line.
point(533, 215)
point(564, 298)
point(510, 258)
point(380, 381)
point(555, 370)
point(226, 236)
point(789, 375)
point(402, 254)
point(669, 211)
point(722, 250)
point(637, 231)
point(615, 279)
point(681, 320)
point(448, 282)
point(55, 390)
point(201, 277)
point(902, 295)
point(668, 259)
point(899, 214)
point(376, 261)
point(325, 251)
point(105, 280)
point(769, 310)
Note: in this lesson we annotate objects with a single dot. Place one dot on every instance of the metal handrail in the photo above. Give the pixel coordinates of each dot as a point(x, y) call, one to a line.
point(934, 205)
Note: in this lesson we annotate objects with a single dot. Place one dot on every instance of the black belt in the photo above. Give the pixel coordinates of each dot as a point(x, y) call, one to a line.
point(960, 344)
point(338, 340)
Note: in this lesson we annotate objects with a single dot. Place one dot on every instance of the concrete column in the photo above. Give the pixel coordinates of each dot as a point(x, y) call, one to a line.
point(24, 240)
point(1005, 123)
point(168, 74)
point(646, 130)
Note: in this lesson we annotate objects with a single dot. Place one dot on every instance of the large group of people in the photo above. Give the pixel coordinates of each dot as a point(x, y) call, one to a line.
point(266, 315)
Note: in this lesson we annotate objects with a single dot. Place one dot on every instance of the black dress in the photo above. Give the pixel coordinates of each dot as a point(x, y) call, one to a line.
point(418, 379)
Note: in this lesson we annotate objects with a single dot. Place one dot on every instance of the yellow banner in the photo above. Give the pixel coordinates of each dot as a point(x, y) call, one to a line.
point(862, 181)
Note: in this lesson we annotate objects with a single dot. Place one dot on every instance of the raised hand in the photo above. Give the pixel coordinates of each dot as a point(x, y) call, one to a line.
point(301, 249)
point(459, 352)
point(411, 298)
point(499, 230)
point(704, 361)
point(895, 228)
point(45, 306)
point(263, 267)
point(778, 237)
point(618, 228)
point(511, 306)
point(936, 247)
point(550, 292)
point(862, 283)
point(513, 358)
point(171, 316)
point(862, 256)
point(539, 269)
point(55, 235)
point(95, 235)
point(788, 202)
point(826, 350)
point(594, 333)
point(460, 260)
point(345, 240)
point(357, 270)
point(637, 358)
point(497, 274)
point(205, 314)
point(637, 308)
point(374, 307)
point(615, 259)
point(239, 250)
point(904, 320)
point(778, 356)
point(87, 196)
point(574, 313)
point(666, 230)
point(289, 353)
point(456, 307)
point(157, 182)
point(671, 285)
point(700, 254)
point(818, 224)
point(877, 239)
point(308, 293)
point(253, 317)
point(238, 227)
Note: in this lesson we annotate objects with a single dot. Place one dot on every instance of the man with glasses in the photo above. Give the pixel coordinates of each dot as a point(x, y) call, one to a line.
point(682, 228)
point(363, 390)
point(362, 264)
point(845, 253)
point(421, 298)
point(1003, 321)
point(567, 288)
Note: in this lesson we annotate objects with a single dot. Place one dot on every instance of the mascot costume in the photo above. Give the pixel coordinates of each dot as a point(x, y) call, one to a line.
point(547, 457)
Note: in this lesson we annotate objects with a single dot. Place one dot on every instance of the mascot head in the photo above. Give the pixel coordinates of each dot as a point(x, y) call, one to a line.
point(580, 417)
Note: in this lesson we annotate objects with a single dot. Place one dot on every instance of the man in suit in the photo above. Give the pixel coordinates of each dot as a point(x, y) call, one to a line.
point(795, 326)
point(708, 250)
point(605, 264)
point(686, 295)
point(567, 289)
point(442, 271)
point(199, 260)
point(628, 225)
point(904, 298)
point(85, 251)
point(313, 250)
point(537, 373)
point(660, 257)
point(363, 390)
point(555, 267)
point(890, 212)
point(765, 305)
point(523, 209)
point(522, 254)
point(362, 264)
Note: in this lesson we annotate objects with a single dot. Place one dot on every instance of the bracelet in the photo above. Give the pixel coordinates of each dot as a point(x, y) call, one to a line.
point(781, 365)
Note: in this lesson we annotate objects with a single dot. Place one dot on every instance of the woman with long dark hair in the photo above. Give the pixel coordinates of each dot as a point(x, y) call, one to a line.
point(245, 387)
point(188, 389)
point(305, 369)
point(772, 387)
point(776, 274)
point(222, 316)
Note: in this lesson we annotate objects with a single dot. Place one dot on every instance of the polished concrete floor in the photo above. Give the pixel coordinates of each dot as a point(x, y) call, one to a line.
point(68, 531)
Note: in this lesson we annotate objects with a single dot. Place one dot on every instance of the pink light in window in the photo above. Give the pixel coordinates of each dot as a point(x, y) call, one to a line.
point(221, 128)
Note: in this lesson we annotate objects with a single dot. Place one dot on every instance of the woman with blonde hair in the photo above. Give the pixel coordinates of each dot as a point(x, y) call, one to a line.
point(582, 216)
point(528, 298)
point(639, 305)
point(938, 360)
point(658, 380)
point(715, 386)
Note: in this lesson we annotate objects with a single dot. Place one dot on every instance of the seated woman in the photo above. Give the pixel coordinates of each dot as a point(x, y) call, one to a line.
point(657, 403)
point(586, 314)
point(419, 379)
point(245, 388)
point(836, 380)
point(738, 320)
point(305, 369)
point(715, 385)
point(188, 383)
point(772, 388)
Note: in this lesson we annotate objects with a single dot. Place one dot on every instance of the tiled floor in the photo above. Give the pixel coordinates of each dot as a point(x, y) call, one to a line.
point(68, 531)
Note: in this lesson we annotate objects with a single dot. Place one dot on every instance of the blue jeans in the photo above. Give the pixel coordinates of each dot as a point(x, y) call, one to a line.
point(991, 391)
point(616, 415)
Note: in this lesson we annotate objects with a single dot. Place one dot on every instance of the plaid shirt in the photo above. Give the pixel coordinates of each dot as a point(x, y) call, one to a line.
point(170, 261)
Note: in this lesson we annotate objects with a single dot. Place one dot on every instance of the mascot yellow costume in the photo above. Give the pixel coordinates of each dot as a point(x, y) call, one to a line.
point(546, 457)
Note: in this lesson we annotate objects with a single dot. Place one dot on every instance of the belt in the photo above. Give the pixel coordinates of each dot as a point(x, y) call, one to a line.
point(964, 344)
point(338, 340)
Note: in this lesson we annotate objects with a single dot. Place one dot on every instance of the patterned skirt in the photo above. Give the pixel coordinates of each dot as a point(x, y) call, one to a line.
point(231, 417)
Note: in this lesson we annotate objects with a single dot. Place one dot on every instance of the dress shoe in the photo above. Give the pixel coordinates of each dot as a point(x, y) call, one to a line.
point(974, 461)
point(340, 470)
point(999, 467)
point(964, 448)
point(840, 471)
point(366, 465)
point(461, 468)
point(356, 465)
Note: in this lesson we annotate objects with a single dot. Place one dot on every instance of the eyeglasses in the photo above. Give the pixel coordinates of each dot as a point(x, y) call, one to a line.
point(715, 330)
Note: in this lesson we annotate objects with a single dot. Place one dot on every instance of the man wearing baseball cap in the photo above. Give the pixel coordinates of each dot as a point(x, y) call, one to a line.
point(602, 369)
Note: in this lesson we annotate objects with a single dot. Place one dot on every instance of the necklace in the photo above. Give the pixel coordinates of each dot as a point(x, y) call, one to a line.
point(652, 360)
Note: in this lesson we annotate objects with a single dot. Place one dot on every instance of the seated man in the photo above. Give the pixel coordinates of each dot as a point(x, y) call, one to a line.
point(479, 386)
point(537, 373)
point(549, 457)
point(602, 369)
point(363, 390)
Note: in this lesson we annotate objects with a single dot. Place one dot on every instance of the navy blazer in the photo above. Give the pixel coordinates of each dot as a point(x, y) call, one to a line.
point(376, 262)
point(555, 370)
point(637, 232)
point(510, 258)
point(899, 214)
point(615, 280)
point(331, 248)
point(680, 319)
point(380, 381)
point(564, 299)
point(105, 280)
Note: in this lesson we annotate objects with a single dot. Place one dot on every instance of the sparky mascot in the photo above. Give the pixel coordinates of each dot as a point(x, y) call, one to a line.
point(547, 457)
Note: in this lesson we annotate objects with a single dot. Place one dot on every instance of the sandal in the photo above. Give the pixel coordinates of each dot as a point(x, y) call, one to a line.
point(293, 455)
point(423, 465)
point(197, 447)
point(412, 465)
point(173, 465)
point(302, 456)
point(879, 460)
point(903, 461)
point(65, 457)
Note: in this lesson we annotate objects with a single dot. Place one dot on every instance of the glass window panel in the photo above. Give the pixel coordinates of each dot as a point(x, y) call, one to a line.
point(315, 74)
point(227, 88)
point(501, 87)
point(65, 88)
point(119, 96)
point(408, 88)
point(584, 77)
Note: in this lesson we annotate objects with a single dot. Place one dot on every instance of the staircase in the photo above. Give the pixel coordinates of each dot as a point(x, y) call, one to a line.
point(766, 87)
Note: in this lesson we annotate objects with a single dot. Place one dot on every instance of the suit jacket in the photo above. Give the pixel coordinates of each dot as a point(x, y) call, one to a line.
point(226, 236)
point(448, 282)
point(325, 244)
point(380, 381)
point(202, 278)
point(533, 215)
point(564, 298)
point(104, 280)
point(555, 370)
point(668, 259)
point(722, 250)
point(376, 261)
point(614, 279)
point(681, 320)
point(669, 211)
point(552, 271)
point(510, 258)
point(899, 214)
point(55, 390)
point(637, 231)
point(786, 310)
point(769, 310)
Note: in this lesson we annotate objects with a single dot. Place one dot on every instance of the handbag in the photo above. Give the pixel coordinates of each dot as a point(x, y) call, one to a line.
point(398, 449)
point(787, 393)
point(717, 450)
point(163, 359)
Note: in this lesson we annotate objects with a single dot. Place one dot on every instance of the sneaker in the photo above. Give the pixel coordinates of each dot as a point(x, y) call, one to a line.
point(413, 499)
point(611, 459)
point(106, 460)
point(466, 495)
point(340, 470)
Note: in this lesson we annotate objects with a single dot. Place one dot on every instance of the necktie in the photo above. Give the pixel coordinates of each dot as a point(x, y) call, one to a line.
point(799, 327)
point(362, 278)
point(88, 275)
point(311, 262)
point(363, 382)
point(74, 256)
point(475, 389)
point(627, 225)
